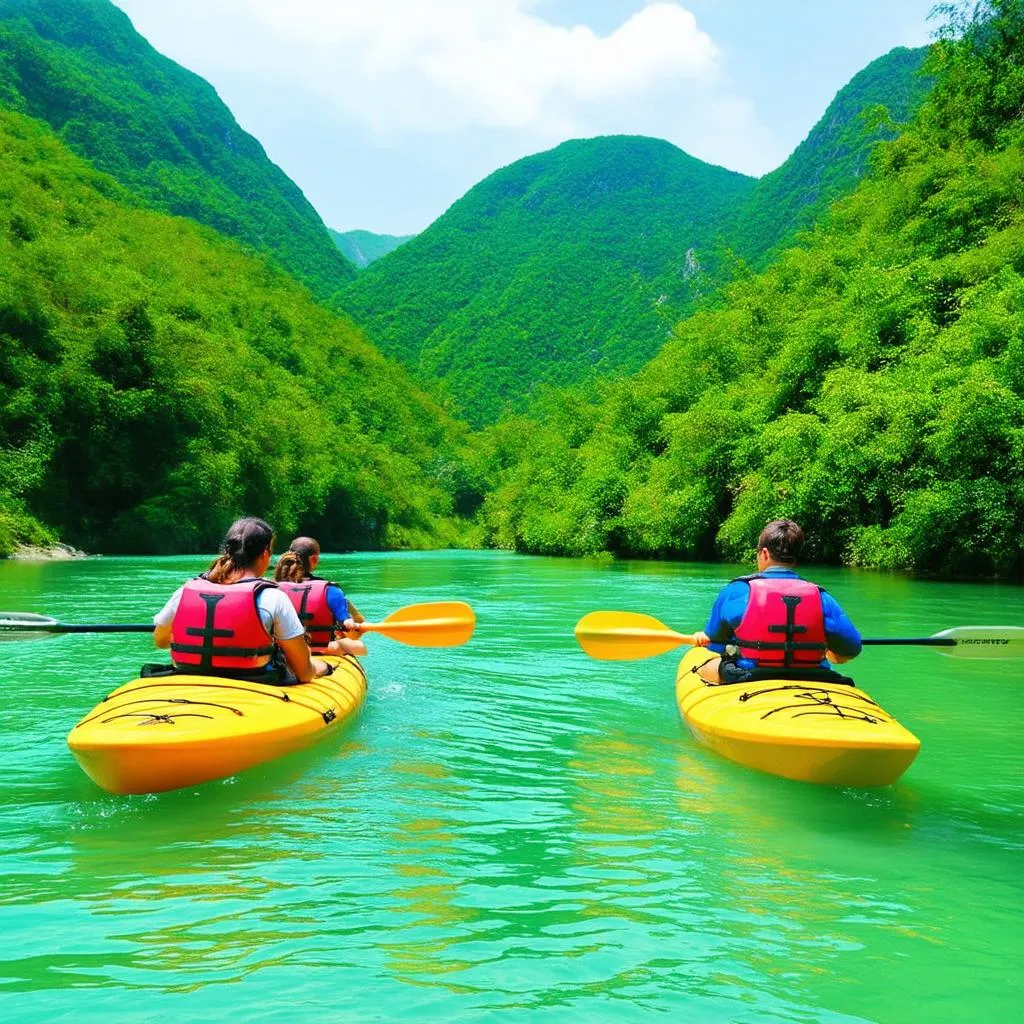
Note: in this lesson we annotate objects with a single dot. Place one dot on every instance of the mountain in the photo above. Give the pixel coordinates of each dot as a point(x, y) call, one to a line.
point(869, 383)
point(833, 157)
point(156, 381)
point(575, 263)
point(160, 130)
point(563, 264)
point(364, 247)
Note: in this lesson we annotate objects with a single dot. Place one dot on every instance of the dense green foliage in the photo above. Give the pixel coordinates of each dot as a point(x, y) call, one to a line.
point(558, 264)
point(158, 129)
point(575, 263)
point(156, 381)
point(361, 248)
point(870, 384)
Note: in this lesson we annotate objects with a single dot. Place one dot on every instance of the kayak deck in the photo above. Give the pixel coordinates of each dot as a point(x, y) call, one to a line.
point(822, 732)
point(167, 732)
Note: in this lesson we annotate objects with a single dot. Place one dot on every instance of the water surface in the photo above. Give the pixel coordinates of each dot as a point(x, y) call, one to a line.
point(511, 831)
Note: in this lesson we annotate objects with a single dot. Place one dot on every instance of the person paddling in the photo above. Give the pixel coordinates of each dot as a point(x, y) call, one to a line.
point(774, 623)
point(230, 622)
point(320, 604)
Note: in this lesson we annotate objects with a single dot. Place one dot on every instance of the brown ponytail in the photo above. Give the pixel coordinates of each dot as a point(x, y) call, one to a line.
point(289, 568)
point(244, 542)
point(293, 566)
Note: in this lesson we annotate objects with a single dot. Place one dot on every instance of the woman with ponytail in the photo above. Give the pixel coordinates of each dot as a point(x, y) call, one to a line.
point(231, 622)
point(319, 603)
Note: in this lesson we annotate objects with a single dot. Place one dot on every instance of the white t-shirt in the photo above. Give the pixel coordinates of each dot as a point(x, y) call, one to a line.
point(280, 619)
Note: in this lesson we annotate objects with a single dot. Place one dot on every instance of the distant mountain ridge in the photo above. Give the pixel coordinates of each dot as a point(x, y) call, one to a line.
point(577, 262)
point(362, 248)
point(561, 262)
point(832, 158)
point(160, 130)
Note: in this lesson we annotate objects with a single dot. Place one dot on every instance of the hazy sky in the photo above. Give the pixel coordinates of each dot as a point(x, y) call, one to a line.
point(386, 111)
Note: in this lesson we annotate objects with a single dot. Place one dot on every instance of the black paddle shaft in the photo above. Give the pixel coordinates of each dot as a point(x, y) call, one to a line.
point(918, 641)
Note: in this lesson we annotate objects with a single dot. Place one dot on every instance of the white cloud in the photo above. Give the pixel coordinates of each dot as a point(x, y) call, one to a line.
point(443, 65)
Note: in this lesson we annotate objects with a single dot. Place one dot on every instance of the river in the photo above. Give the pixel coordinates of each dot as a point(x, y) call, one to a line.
point(511, 831)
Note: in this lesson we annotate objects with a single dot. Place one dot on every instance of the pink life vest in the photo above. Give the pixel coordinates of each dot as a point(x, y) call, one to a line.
point(310, 600)
point(217, 627)
point(783, 625)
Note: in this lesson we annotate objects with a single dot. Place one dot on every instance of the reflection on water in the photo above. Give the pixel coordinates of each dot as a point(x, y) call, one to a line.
point(510, 829)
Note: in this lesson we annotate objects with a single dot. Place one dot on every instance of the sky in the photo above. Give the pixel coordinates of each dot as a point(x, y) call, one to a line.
point(385, 112)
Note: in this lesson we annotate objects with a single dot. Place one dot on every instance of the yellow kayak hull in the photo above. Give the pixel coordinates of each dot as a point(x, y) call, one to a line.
point(162, 733)
point(827, 733)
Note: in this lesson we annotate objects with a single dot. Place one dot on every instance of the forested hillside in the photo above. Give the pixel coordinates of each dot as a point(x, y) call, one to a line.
point(833, 157)
point(158, 129)
point(576, 263)
point(870, 384)
point(156, 381)
point(561, 263)
point(361, 248)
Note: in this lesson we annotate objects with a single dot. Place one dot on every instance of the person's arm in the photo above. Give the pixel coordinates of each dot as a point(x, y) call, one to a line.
point(728, 606)
point(842, 637)
point(164, 619)
point(290, 635)
point(304, 667)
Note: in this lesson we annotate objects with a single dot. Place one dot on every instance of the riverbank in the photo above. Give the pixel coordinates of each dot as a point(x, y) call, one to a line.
point(45, 553)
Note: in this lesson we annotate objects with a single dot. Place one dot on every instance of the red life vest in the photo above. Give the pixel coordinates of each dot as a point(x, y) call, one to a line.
point(217, 627)
point(310, 600)
point(783, 625)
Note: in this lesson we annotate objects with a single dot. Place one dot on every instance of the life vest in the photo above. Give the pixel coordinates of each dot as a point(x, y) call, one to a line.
point(784, 623)
point(217, 627)
point(310, 600)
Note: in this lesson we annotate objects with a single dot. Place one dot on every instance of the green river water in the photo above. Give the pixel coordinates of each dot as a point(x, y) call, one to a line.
point(511, 831)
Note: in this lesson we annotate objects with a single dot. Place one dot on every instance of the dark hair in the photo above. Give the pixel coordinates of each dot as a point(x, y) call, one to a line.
point(244, 542)
point(293, 565)
point(783, 539)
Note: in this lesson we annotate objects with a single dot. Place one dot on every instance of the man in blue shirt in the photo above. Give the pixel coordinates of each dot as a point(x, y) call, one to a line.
point(774, 621)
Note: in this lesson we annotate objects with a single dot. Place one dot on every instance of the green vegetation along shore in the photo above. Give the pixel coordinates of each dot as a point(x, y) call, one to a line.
point(870, 384)
point(156, 380)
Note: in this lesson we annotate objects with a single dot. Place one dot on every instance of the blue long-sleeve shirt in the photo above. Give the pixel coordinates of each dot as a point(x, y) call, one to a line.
point(337, 602)
point(731, 603)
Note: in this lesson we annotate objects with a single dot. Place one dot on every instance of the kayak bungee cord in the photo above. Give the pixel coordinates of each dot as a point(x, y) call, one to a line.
point(744, 697)
point(164, 700)
point(327, 713)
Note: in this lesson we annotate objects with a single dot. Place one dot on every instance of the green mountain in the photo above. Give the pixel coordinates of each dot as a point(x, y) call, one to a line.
point(158, 129)
point(364, 247)
point(833, 157)
point(556, 267)
point(156, 381)
point(870, 384)
point(575, 263)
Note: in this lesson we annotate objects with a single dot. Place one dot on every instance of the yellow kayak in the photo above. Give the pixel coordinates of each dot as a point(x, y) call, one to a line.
point(824, 732)
point(166, 732)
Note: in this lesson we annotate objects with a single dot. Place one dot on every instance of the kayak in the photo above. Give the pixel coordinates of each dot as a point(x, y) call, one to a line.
point(166, 732)
point(823, 732)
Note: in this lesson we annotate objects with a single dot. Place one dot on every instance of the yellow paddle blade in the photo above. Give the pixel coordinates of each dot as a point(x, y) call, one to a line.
point(436, 624)
point(626, 636)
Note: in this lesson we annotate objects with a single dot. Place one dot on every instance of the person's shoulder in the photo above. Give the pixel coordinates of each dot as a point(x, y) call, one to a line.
point(270, 597)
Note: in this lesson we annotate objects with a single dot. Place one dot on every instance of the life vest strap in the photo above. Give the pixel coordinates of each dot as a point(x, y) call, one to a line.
point(227, 652)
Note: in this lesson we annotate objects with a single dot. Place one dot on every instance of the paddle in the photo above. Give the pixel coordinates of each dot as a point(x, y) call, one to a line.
point(440, 624)
point(437, 624)
point(27, 626)
point(628, 636)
